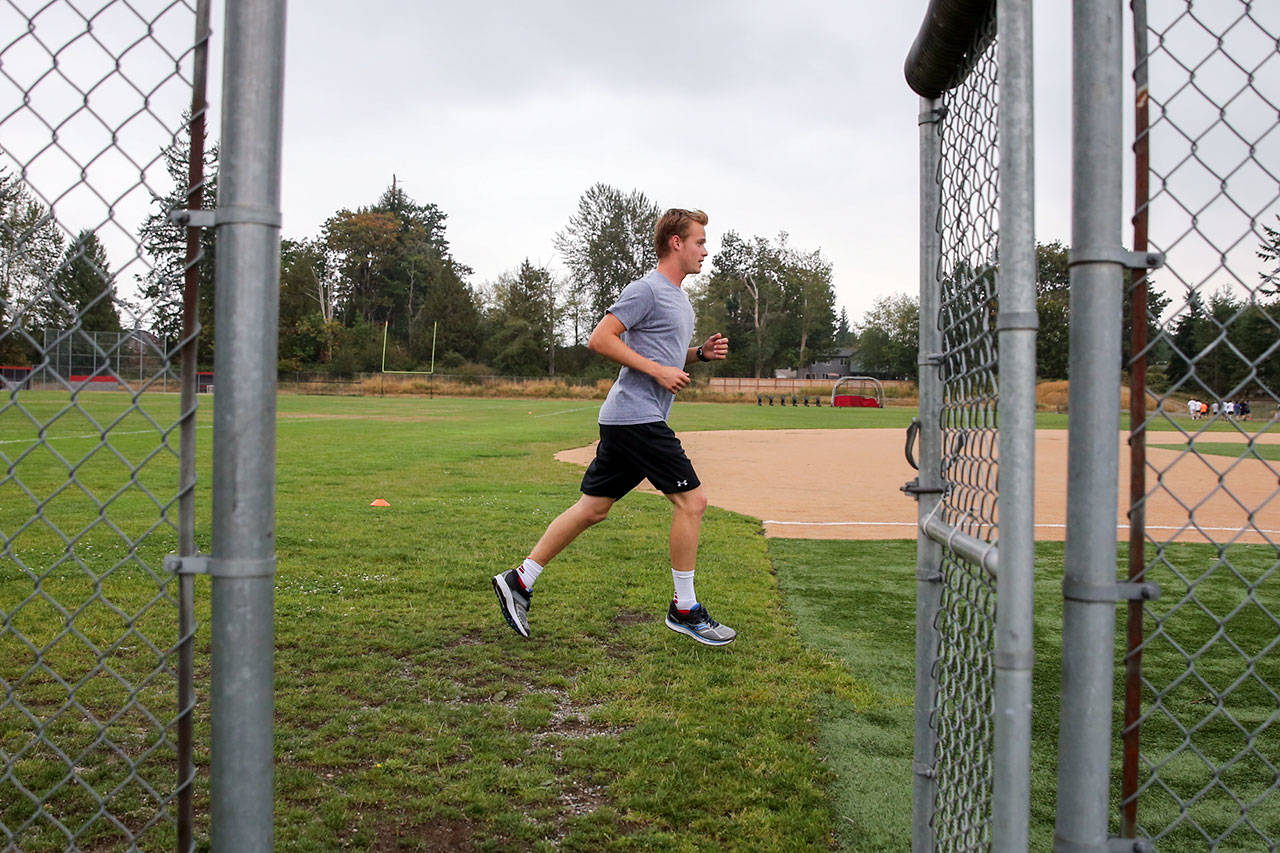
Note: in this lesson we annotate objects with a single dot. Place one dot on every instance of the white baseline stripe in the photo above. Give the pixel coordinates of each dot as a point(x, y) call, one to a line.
point(96, 435)
point(1055, 526)
point(564, 412)
point(844, 523)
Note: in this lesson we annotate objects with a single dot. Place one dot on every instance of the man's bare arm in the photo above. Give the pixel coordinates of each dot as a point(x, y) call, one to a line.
point(606, 339)
point(714, 348)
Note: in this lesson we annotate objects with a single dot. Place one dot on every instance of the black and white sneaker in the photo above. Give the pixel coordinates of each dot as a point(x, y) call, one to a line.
point(697, 623)
point(514, 601)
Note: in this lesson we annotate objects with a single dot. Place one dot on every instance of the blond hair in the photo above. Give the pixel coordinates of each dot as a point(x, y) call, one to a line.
point(675, 222)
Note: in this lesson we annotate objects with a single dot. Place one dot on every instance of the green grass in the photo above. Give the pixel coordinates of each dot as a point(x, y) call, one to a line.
point(409, 717)
point(1269, 452)
point(849, 599)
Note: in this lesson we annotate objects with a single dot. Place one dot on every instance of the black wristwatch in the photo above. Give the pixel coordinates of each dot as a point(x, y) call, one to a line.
point(702, 357)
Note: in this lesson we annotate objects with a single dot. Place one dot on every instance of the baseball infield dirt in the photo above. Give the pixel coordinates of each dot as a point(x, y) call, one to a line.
point(844, 484)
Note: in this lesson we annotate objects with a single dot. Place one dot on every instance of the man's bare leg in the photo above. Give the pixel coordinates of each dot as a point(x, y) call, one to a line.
point(569, 525)
point(686, 524)
point(688, 619)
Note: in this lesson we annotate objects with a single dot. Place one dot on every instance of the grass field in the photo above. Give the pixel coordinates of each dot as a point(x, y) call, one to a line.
point(409, 717)
point(1269, 452)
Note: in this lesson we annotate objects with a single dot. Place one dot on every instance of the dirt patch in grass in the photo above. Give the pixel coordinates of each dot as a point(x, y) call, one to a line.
point(437, 834)
point(632, 617)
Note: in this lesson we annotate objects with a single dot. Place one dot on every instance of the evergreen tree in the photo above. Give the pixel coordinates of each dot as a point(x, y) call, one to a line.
point(85, 288)
point(845, 335)
point(522, 322)
point(165, 244)
point(1227, 347)
point(1269, 252)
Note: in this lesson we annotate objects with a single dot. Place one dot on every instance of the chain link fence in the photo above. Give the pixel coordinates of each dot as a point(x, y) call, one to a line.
point(86, 359)
point(973, 675)
point(1196, 706)
point(96, 106)
point(1202, 680)
point(969, 236)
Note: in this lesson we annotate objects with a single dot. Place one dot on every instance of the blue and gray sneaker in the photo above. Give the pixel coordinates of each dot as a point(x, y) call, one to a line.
point(697, 623)
point(514, 600)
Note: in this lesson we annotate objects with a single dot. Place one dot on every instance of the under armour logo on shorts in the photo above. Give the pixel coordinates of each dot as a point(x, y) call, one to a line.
point(680, 483)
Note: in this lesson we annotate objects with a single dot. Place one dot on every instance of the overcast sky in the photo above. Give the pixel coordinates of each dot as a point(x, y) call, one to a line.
point(771, 117)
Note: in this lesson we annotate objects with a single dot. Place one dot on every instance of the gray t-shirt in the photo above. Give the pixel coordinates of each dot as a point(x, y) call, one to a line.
point(659, 322)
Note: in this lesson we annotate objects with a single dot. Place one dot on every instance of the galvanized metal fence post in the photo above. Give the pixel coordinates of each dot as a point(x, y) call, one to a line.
point(1016, 325)
point(243, 564)
point(929, 481)
point(1089, 584)
point(978, 322)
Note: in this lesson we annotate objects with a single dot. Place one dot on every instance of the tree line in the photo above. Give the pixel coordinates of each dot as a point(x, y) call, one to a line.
point(385, 271)
point(387, 268)
point(1223, 345)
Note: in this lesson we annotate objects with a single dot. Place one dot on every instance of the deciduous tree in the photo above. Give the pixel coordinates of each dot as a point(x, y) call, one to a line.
point(394, 268)
point(889, 337)
point(307, 302)
point(773, 301)
point(608, 243)
point(30, 250)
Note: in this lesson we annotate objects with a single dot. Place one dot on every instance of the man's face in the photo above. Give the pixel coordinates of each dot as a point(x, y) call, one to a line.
point(692, 249)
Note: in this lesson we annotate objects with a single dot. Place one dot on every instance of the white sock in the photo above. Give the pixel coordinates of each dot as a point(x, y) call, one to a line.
point(528, 572)
point(685, 599)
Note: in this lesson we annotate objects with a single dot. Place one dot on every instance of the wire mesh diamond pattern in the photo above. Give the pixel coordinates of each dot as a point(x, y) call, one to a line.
point(1210, 703)
point(968, 233)
point(92, 103)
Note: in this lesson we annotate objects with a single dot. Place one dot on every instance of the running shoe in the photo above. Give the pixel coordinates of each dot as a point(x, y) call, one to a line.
point(697, 623)
point(514, 601)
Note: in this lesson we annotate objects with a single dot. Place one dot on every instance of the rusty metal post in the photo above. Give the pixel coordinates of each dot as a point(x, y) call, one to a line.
point(187, 433)
point(1137, 431)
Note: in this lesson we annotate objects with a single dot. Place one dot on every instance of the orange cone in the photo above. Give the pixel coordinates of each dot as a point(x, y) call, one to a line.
point(379, 502)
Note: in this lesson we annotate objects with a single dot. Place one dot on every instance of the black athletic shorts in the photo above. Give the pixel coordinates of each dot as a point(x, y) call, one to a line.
point(628, 453)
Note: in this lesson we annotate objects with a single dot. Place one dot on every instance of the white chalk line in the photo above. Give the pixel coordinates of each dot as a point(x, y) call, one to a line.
point(96, 435)
point(843, 523)
point(1046, 525)
point(564, 412)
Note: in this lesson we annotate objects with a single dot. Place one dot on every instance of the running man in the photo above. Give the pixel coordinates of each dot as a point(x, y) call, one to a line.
point(647, 331)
